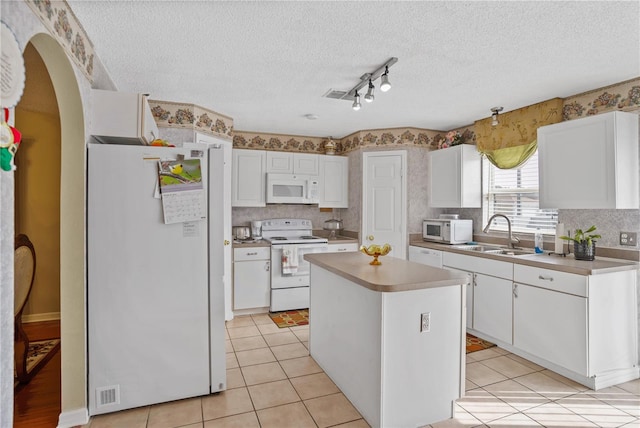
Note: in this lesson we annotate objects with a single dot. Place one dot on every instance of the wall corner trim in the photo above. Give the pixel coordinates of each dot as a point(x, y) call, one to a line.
point(73, 418)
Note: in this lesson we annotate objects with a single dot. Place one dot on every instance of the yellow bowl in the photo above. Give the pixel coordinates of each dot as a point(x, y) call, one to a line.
point(376, 251)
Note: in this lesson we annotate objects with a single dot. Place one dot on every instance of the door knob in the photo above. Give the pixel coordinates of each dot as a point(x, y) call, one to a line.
point(226, 242)
point(370, 237)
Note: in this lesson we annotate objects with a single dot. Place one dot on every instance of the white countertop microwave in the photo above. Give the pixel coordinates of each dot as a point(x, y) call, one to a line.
point(292, 189)
point(447, 231)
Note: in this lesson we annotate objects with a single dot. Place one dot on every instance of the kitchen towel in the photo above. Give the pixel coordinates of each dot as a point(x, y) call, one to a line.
point(290, 260)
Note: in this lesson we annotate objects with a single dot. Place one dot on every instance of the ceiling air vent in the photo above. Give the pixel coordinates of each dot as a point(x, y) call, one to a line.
point(338, 95)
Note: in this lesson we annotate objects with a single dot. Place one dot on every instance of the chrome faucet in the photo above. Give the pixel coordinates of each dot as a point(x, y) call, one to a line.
point(513, 240)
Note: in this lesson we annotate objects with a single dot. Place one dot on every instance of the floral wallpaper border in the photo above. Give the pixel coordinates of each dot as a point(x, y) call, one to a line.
point(393, 137)
point(278, 142)
point(63, 25)
point(624, 96)
point(181, 115)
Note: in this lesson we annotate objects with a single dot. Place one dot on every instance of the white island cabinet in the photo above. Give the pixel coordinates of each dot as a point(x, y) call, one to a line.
point(590, 162)
point(395, 374)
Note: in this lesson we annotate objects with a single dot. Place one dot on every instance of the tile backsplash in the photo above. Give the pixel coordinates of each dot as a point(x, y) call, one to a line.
point(242, 216)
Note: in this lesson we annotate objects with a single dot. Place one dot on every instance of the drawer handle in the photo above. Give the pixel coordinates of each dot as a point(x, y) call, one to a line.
point(545, 278)
point(252, 254)
point(267, 266)
point(342, 249)
point(515, 290)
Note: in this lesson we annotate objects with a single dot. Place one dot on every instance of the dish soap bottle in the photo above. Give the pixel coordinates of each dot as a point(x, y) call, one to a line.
point(538, 241)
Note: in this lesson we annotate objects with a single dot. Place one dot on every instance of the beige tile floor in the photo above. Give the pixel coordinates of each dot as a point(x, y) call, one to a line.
point(273, 382)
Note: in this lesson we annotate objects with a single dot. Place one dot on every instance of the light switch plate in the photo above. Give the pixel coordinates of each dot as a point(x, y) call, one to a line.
point(629, 238)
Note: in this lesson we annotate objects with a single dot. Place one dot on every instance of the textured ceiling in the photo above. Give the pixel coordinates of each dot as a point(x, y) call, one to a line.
point(267, 64)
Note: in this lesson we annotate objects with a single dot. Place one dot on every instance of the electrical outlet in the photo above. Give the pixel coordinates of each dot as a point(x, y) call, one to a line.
point(629, 238)
point(425, 322)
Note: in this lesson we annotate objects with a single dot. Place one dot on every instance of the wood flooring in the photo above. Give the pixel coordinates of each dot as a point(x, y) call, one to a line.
point(37, 404)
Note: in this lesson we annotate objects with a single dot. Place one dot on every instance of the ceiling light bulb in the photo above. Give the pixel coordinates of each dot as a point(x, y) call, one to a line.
point(369, 97)
point(356, 102)
point(494, 115)
point(384, 81)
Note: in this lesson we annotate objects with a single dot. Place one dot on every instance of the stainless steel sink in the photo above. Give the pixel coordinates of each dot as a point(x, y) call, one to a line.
point(510, 252)
point(479, 248)
point(493, 249)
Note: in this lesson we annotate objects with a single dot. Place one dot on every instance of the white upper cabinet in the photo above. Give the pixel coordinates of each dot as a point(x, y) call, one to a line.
point(292, 163)
point(248, 181)
point(306, 163)
point(455, 177)
point(280, 162)
point(590, 162)
point(334, 182)
point(122, 118)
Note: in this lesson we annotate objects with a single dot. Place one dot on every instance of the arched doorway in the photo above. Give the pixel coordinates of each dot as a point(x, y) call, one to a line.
point(37, 214)
point(71, 226)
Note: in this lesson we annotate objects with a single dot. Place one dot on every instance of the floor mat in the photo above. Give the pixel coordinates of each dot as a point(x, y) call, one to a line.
point(476, 344)
point(39, 353)
point(290, 318)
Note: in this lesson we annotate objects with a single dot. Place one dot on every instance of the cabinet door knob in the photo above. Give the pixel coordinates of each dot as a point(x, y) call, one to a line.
point(226, 242)
point(370, 237)
point(545, 278)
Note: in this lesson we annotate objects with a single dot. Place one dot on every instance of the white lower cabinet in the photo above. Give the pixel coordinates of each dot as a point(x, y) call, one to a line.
point(251, 277)
point(342, 248)
point(581, 326)
point(425, 256)
point(551, 325)
point(492, 306)
point(469, 294)
point(489, 294)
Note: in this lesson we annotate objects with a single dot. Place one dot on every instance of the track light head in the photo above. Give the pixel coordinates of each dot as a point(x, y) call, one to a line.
point(384, 80)
point(356, 102)
point(369, 97)
point(494, 115)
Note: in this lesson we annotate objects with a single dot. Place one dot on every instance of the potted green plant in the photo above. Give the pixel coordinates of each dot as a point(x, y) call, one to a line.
point(584, 243)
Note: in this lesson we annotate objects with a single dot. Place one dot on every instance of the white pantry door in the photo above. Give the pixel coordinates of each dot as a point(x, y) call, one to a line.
point(384, 200)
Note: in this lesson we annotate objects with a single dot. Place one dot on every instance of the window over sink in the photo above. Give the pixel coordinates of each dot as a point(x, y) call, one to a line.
point(514, 193)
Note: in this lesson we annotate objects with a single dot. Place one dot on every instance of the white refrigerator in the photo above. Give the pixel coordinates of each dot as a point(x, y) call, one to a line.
point(155, 294)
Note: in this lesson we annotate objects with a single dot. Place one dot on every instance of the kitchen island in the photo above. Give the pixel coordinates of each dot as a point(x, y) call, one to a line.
point(391, 336)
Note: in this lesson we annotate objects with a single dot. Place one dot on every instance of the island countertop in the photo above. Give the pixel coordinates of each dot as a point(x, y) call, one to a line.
point(392, 275)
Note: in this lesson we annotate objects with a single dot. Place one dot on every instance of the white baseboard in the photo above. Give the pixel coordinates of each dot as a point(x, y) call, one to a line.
point(47, 316)
point(73, 418)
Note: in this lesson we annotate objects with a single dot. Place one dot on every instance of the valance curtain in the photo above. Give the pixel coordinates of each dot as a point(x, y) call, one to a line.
point(513, 141)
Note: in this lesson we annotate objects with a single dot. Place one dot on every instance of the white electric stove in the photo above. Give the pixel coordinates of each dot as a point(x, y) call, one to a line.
point(290, 240)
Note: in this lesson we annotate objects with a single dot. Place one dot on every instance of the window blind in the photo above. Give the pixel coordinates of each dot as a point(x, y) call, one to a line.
point(514, 193)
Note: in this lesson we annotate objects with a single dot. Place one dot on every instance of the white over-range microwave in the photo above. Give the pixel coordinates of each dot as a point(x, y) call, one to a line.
point(292, 189)
point(447, 231)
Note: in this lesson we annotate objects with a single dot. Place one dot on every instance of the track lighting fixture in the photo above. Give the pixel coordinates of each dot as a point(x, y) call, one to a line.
point(384, 80)
point(369, 97)
point(365, 79)
point(494, 116)
point(356, 102)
